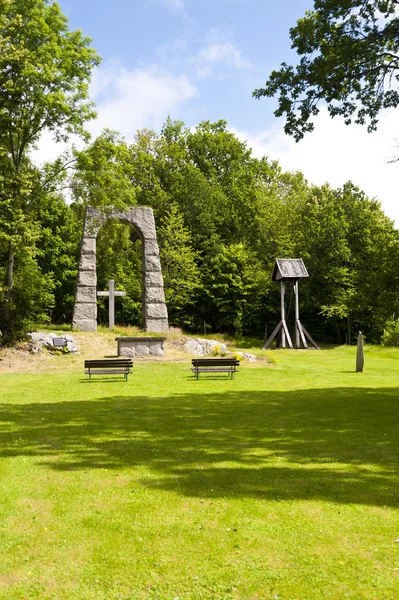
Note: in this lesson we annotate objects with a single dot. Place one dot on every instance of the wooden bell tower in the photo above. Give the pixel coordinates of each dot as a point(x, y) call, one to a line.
point(288, 271)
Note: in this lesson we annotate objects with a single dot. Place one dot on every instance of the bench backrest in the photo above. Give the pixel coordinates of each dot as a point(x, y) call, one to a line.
point(209, 362)
point(108, 362)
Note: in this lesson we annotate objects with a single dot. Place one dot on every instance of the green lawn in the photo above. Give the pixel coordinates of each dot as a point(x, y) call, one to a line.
point(280, 484)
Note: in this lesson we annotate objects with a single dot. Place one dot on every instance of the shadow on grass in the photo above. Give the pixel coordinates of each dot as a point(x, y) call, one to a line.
point(337, 444)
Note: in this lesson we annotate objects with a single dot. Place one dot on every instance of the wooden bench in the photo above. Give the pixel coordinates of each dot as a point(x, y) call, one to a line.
point(215, 365)
point(109, 366)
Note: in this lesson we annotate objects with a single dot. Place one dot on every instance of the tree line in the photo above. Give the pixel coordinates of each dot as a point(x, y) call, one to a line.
point(222, 215)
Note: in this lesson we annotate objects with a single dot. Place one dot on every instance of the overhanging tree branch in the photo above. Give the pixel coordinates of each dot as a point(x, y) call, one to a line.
point(350, 54)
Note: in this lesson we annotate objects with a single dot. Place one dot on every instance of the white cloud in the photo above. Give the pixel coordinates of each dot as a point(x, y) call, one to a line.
point(48, 150)
point(219, 51)
point(131, 100)
point(176, 6)
point(336, 153)
point(126, 101)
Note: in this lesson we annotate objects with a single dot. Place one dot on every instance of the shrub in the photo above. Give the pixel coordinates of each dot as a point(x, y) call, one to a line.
point(390, 337)
point(217, 351)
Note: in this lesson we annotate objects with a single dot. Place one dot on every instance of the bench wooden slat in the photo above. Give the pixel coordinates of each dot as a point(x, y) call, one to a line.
point(99, 371)
point(109, 362)
point(205, 370)
point(215, 361)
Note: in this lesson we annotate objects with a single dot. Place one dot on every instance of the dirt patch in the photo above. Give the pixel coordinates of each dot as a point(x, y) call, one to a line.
point(91, 345)
point(98, 344)
point(20, 359)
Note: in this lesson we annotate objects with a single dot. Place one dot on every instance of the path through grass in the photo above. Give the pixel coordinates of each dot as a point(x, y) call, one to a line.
point(280, 484)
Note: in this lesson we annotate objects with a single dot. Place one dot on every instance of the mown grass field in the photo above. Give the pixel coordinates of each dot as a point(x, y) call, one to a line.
point(280, 484)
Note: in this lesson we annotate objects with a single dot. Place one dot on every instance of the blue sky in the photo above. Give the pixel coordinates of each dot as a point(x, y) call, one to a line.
point(200, 60)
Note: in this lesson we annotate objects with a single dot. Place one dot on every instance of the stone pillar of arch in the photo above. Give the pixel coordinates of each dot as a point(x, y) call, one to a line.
point(155, 314)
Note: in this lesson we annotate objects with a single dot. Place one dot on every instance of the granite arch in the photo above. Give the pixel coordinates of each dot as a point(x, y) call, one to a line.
point(155, 314)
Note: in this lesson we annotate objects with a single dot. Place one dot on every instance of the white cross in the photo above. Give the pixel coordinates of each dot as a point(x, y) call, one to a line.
point(111, 294)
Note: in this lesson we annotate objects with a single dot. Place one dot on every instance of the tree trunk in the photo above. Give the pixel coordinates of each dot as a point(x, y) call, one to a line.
point(349, 319)
point(10, 284)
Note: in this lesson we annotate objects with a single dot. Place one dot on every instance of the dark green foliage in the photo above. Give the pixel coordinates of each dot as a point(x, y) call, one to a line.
point(32, 298)
point(104, 173)
point(234, 290)
point(349, 59)
point(58, 252)
point(390, 337)
point(349, 255)
point(44, 77)
point(222, 218)
point(182, 277)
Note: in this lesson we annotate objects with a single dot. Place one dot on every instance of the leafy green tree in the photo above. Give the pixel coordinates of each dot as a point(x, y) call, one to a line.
point(324, 247)
point(222, 218)
point(33, 297)
point(234, 287)
point(278, 232)
point(200, 201)
point(280, 201)
point(181, 275)
point(349, 59)
point(209, 173)
point(44, 75)
point(349, 247)
point(18, 309)
point(390, 336)
point(146, 167)
point(58, 251)
point(103, 173)
point(227, 164)
point(374, 264)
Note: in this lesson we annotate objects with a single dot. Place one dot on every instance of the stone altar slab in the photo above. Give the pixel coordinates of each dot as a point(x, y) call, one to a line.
point(132, 347)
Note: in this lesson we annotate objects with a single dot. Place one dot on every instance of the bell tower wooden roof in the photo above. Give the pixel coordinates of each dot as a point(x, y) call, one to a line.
point(288, 269)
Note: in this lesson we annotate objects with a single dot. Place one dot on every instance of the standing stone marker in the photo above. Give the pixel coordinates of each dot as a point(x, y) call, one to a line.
point(141, 219)
point(359, 354)
point(111, 298)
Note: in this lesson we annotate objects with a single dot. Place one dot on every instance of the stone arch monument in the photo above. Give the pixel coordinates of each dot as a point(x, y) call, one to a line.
point(155, 314)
